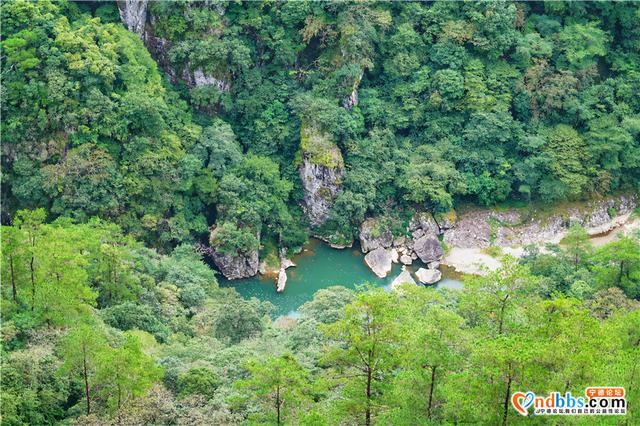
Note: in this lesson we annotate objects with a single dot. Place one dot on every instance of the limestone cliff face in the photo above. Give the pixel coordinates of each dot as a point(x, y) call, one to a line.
point(321, 184)
point(133, 14)
point(320, 172)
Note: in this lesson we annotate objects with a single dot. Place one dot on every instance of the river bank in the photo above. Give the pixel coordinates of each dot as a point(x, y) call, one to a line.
point(472, 244)
point(476, 261)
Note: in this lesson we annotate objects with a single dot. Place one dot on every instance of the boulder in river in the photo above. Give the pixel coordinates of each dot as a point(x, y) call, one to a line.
point(379, 260)
point(282, 280)
point(405, 259)
point(394, 255)
point(428, 248)
point(428, 276)
point(404, 277)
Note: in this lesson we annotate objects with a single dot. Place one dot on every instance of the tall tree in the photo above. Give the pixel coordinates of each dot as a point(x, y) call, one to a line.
point(280, 385)
point(365, 343)
point(80, 350)
point(577, 242)
point(125, 372)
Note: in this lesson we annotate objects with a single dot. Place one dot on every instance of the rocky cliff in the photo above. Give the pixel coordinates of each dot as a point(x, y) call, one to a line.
point(133, 14)
point(241, 264)
point(236, 266)
point(320, 172)
point(519, 227)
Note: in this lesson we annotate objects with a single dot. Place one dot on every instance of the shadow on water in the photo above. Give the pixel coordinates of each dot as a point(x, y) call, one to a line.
point(318, 267)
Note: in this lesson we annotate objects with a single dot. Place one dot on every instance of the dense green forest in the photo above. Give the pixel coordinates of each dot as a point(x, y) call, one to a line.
point(133, 150)
point(97, 329)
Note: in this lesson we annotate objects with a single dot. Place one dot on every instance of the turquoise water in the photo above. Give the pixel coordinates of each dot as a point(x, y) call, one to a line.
point(319, 266)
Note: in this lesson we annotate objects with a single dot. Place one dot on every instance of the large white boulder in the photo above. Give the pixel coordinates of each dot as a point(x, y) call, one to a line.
point(404, 277)
point(428, 276)
point(379, 260)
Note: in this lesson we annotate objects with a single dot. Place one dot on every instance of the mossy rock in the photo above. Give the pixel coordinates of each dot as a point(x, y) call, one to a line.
point(319, 148)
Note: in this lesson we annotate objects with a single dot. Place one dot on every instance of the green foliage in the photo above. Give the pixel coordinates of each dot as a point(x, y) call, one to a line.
point(130, 316)
point(417, 103)
point(277, 382)
point(364, 352)
point(199, 381)
point(108, 142)
point(412, 355)
point(125, 372)
point(618, 263)
point(89, 129)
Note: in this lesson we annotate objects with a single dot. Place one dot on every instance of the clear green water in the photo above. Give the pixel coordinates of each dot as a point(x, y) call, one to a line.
point(317, 267)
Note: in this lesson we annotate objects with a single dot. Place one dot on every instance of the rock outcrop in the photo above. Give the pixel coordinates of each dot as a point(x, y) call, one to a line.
point(133, 14)
point(428, 276)
point(423, 223)
point(379, 260)
point(373, 237)
point(321, 173)
point(236, 266)
point(428, 248)
point(481, 228)
point(404, 277)
point(320, 184)
point(282, 273)
point(420, 240)
point(233, 265)
point(282, 280)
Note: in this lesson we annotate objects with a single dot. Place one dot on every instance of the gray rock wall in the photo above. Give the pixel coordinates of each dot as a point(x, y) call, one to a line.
point(482, 228)
point(321, 184)
point(133, 14)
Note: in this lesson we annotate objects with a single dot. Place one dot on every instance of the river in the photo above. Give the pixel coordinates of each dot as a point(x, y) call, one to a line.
point(318, 266)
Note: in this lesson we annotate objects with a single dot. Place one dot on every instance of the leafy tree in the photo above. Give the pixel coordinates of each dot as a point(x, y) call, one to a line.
point(618, 263)
point(198, 381)
point(566, 152)
point(279, 385)
point(129, 316)
point(365, 345)
point(80, 350)
point(327, 304)
point(239, 320)
point(493, 301)
point(125, 372)
point(582, 43)
point(432, 346)
point(577, 242)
